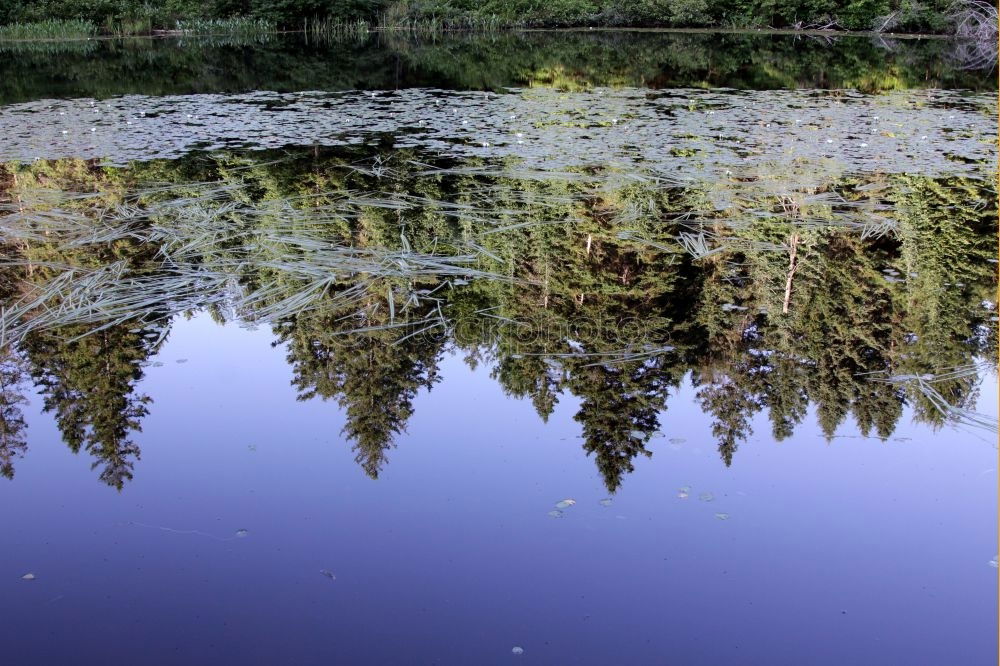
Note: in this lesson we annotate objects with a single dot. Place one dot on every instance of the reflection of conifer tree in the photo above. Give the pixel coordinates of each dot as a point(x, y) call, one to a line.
point(524, 366)
point(89, 383)
point(374, 375)
point(13, 428)
point(785, 396)
point(728, 376)
point(948, 234)
point(531, 376)
point(732, 403)
point(786, 304)
point(619, 411)
point(844, 327)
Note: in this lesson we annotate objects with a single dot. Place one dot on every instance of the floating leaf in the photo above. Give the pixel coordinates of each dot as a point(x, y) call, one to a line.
point(683, 495)
point(241, 533)
point(556, 513)
point(566, 503)
point(706, 497)
point(722, 516)
point(182, 360)
point(328, 574)
point(605, 502)
point(676, 440)
point(31, 576)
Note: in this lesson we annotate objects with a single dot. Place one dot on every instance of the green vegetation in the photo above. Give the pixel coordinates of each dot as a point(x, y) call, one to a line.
point(237, 25)
point(861, 295)
point(49, 29)
point(120, 16)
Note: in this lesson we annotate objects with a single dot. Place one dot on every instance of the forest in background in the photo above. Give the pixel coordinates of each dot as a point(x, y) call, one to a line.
point(134, 16)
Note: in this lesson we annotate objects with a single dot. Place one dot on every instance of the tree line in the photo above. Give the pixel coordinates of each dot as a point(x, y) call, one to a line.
point(801, 290)
point(881, 15)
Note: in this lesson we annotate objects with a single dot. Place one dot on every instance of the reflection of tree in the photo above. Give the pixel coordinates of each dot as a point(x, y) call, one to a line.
point(592, 291)
point(948, 241)
point(374, 375)
point(619, 412)
point(89, 383)
point(731, 406)
point(785, 397)
point(13, 428)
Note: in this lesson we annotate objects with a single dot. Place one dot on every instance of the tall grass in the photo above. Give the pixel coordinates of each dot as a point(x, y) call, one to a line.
point(466, 23)
point(201, 258)
point(126, 27)
point(336, 28)
point(52, 29)
point(360, 29)
point(237, 25)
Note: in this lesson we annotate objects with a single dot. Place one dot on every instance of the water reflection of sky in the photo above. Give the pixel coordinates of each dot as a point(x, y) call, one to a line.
point(856, 551)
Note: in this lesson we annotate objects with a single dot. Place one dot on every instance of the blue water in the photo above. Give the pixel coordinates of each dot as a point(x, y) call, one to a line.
point(853, 551)
point(249, 534)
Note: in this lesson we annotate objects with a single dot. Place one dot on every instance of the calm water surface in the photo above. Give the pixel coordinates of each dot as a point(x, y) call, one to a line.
point(612, 348)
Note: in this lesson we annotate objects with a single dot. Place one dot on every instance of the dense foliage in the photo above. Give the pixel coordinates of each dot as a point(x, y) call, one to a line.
point(900, 15)
point(807, 289)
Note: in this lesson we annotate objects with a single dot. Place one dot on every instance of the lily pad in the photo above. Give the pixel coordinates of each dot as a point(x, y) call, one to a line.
point(28, 576)
point(565, 504)
point(241, 533)
point(722, 516)
point(328, 574)
point(517, 649)
point(605, 502)
point(556, 513)
point(683, 495)
point(706, 497)
point(676, 440)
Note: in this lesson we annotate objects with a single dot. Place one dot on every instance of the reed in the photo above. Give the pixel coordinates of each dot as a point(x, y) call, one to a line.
point(238, 25)
point(51, 29)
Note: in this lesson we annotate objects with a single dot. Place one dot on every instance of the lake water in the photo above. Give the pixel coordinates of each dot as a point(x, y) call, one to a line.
point(551, 348)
